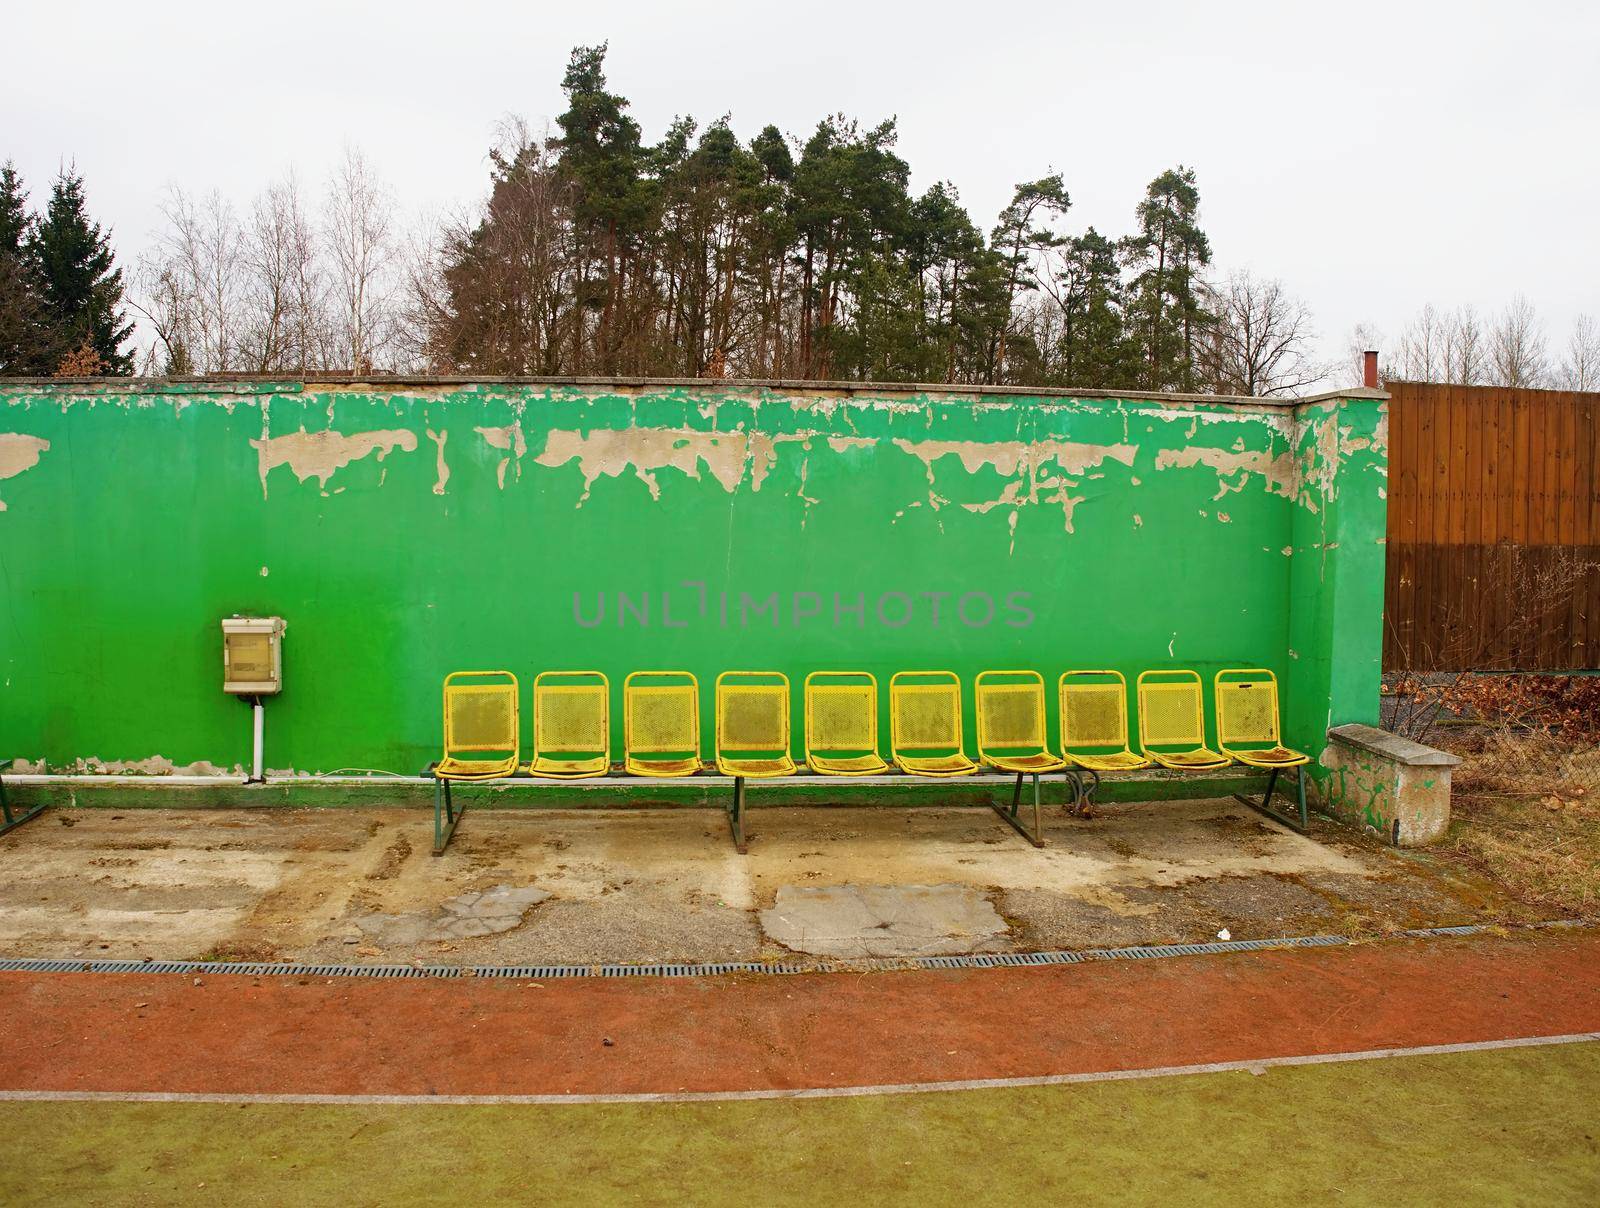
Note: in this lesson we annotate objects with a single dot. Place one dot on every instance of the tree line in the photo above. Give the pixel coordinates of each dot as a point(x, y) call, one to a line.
point(596, 252)
point(1510, 348)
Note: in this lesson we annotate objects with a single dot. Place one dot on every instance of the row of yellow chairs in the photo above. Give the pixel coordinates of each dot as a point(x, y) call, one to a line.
point(661, 723)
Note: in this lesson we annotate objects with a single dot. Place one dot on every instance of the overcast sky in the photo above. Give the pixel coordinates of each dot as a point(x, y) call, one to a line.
point(1375, 157)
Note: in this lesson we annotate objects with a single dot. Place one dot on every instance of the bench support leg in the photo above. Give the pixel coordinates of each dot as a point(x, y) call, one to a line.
point(736, 816)
point(445, 815)
point(11, 818)
point(1083, 804)
point(1299, 824)
point(1013, 818)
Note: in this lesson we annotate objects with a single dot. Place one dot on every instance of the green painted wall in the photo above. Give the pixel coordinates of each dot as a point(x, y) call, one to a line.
point(404, 532)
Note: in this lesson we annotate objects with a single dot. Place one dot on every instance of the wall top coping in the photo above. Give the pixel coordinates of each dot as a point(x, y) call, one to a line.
point(253, 384)
point(1393, 747)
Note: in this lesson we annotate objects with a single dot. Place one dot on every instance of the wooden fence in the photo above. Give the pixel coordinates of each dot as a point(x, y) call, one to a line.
point(1494, 529)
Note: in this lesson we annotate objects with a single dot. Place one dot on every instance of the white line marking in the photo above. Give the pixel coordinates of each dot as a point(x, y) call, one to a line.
point(1257, 1066)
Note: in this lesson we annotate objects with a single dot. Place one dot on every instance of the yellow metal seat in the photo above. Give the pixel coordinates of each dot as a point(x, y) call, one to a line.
point(571, 725)
point(481, 728)
point(841, 724)
point(1172, 727)
point(752, 727)
point(1094, 721)
point(925, 724)
point(751, 737)
point(661, 723)
point(1247, 713)
point(1247, 730)
point(1011, 723)
point(1011, 737)
point(481, 741)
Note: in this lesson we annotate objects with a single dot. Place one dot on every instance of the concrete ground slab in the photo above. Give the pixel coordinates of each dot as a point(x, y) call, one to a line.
point(884, 920)
point(666, 885)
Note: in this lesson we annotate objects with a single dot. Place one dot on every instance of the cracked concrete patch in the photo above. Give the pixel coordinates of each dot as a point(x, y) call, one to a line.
point(467, 916)
point(884, 920)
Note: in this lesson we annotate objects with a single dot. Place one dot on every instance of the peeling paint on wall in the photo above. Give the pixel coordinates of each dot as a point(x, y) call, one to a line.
point(19, 452)
point(1022, 461)
point(611, 453)
point(509, 440)
point(1234, 468)
point(438, 438)
point(155, 765)
point(321, 455)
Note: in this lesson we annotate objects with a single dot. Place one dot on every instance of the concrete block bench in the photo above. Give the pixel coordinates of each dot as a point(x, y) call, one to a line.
point(1388, 784)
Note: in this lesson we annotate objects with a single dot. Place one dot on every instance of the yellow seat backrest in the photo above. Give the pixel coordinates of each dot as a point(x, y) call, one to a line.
point(841, 711)
point(480, 712)
point(1247, 706)
point(1094, 710)
point(571, 713)
point(752, 711)
point(1010, 710)
point(1171, 709)
point(925, 711)
point(661, 712)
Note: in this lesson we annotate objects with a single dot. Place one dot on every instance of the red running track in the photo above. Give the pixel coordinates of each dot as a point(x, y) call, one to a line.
point(234, 1034)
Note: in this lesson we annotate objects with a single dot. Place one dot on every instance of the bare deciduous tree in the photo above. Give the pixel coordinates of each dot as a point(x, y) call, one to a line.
point(1580, 366)
point(1260, 340)
point(1517, 346)
point(286, 327)
point(362, 259)
point(193, 279)
point(1440, 347)
point(1364, 338)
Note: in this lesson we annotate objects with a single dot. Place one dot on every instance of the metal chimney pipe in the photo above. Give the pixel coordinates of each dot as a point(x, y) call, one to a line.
point(1369, 369)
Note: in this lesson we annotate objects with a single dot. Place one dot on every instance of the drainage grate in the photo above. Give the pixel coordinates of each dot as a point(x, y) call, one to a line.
point(985, 960)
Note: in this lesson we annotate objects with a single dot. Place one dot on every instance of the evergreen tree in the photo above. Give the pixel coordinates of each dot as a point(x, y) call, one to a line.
point(1022, 235)
point(602, 149)
point(24, 336)
point(1167, 255)
point(1094, 346)
point(80, 286)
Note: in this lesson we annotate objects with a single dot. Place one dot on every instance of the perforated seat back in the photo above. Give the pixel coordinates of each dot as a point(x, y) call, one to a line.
point(1093, 714)
point(925, 716)
point(1247, 707)
point(661, 717)
point(571, 717)
point(479, 716)
point(1010, 714)
point(753, 717)
point(841, 716)
point(1170, 710)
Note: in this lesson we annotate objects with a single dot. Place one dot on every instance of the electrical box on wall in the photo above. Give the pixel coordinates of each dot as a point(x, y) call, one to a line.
point(252, 655)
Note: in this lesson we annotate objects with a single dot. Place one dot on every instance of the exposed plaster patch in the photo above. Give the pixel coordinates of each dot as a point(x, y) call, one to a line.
point(840, 443)
point(19, 452)
point(1022, 461)
point(438, 438)
point(1277, 471)
point(610, 453)
point(320, 455)
point(509, 440)
point(156, 765)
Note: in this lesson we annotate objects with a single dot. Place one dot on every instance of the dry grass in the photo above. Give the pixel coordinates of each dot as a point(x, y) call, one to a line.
point(1527, 814)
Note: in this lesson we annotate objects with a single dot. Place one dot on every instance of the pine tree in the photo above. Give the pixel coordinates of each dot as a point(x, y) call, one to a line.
point(80, 285)
point(1167, 255)
point(1022, 235)
point(1094, 347)
point(24, 336)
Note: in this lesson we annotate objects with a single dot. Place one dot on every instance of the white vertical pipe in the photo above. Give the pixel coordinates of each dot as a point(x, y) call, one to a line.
point(260, 741)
